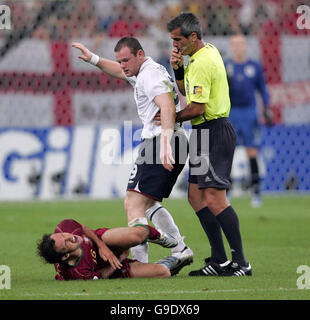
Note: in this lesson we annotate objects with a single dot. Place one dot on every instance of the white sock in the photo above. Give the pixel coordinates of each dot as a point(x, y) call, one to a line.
point(162, 219)
point(139, 252)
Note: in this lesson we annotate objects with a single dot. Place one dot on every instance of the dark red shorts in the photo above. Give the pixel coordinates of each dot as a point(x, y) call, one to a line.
point(124, 272)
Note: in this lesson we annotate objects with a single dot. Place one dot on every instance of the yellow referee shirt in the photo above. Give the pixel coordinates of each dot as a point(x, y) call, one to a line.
point(205, 81)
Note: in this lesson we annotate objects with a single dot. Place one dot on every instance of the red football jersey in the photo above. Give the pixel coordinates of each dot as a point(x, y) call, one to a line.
point(90, 263)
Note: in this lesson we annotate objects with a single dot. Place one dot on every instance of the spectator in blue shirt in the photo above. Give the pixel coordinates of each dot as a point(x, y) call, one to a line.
point(246, 78)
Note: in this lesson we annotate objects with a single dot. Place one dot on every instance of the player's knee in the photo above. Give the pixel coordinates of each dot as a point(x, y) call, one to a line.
point(216, 200)
point(162, 272)
point(130, 202)
point(137, 235)
point(138, 231)
point(192, 199)
point(195, 201)
point(210, 196)
point(127, 203)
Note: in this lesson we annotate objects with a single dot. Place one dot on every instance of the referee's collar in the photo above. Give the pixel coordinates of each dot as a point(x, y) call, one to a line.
point(198, 51)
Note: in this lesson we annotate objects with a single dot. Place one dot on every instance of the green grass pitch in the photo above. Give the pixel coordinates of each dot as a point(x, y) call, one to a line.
point(275, 238)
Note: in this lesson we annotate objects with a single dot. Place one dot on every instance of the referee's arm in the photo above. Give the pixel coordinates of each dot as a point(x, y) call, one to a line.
point(180, 84)
point(177, 63)
point(193, 110)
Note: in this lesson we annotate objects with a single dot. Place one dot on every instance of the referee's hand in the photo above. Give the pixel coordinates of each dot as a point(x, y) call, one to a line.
point(176, 59)
point(157, 118)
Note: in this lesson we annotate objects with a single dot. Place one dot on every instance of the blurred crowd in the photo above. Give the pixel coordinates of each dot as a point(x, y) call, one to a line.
point(117, 18)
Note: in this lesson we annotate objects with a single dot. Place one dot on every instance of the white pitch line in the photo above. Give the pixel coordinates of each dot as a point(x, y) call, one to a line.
point(160, 292)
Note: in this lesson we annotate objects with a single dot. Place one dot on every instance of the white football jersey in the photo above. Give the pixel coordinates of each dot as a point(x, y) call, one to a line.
point(152, 80)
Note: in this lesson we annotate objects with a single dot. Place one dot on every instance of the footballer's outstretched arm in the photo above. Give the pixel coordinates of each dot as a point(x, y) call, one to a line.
point(110, 67)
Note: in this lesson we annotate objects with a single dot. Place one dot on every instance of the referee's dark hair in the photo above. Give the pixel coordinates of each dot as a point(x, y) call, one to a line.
point(188, 23)
point(132, 43)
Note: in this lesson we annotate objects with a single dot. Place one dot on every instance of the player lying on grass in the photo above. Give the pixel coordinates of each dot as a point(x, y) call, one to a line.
point(78, 252)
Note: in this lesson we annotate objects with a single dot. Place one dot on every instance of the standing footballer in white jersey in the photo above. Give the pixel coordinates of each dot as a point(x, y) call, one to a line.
point(154, 173)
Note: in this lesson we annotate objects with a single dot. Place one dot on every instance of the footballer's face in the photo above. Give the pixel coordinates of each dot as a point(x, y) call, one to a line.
point(183, 44)
point(129, 62)
point(66, 242)
point(238, 47)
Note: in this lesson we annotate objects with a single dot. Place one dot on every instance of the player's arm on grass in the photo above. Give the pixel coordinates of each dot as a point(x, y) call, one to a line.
point(167, 119)
point(105, 253)
point(109, 67)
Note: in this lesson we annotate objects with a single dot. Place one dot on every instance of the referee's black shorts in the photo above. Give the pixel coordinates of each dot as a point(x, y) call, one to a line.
point(211, 150)
point(148, 176)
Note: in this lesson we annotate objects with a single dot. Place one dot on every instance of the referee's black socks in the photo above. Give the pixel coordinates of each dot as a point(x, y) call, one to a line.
point(213, 231)
point(229, 223)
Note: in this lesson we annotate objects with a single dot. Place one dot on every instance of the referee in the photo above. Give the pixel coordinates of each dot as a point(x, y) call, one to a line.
point(204, 83)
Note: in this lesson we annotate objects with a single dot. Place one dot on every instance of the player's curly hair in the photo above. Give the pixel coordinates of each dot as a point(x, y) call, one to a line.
point(46, 250)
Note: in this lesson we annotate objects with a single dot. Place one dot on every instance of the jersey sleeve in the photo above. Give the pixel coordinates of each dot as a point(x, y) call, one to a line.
point(261, 84)
point(70, 226)
point(199, 84)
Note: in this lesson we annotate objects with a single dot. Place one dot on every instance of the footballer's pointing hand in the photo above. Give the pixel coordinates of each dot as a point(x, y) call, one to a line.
point(166, 156)
point(86, 54)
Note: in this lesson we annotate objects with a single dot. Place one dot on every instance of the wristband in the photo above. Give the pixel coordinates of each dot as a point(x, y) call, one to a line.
point(94, 59)
point(179, 73)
